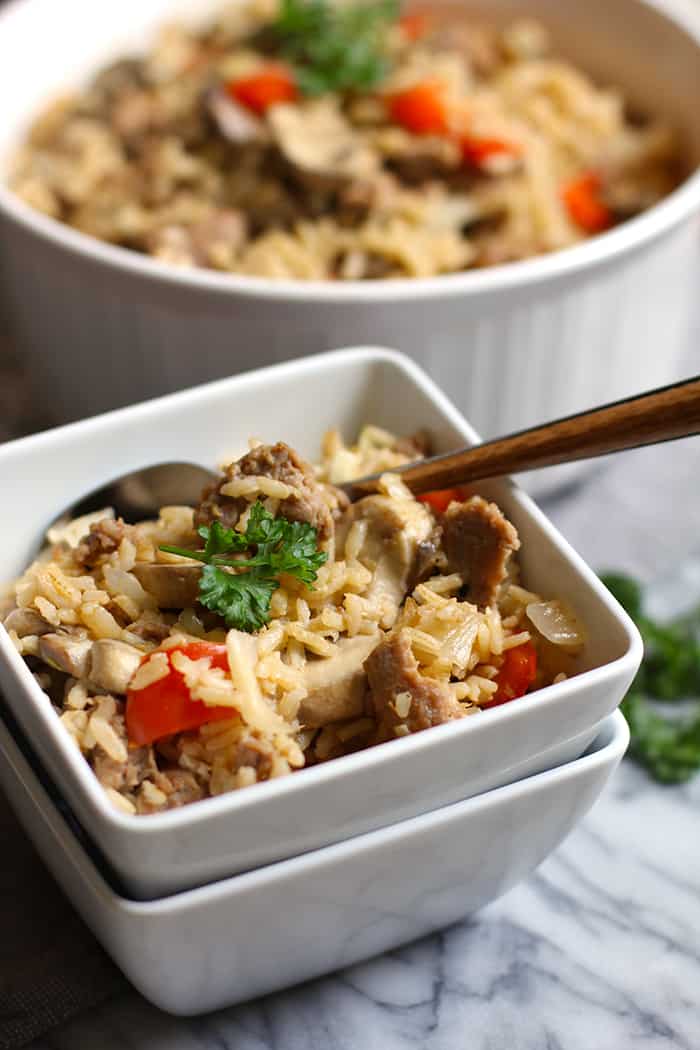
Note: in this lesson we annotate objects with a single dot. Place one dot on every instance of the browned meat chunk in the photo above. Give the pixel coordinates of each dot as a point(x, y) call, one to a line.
point(310, 501)
point(180, 786)
point(478, 543)
point(416, 160)
point(103, 538)
point(139, 766)
point(214, 241)
point(401, 695)
point(476, 43)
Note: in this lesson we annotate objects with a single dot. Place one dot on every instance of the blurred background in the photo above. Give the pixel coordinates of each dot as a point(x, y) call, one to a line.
point(82, 330)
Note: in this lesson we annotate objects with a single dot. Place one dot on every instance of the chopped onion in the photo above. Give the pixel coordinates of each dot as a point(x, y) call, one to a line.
point(556, 623)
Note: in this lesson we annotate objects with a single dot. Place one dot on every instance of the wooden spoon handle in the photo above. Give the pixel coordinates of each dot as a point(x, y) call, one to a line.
point(661, 415)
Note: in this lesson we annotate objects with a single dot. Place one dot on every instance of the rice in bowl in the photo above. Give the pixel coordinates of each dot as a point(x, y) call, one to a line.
point(381, 619)
point(456, 146)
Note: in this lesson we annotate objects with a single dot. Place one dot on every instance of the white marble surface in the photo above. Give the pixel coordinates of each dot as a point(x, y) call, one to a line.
point(599, 950)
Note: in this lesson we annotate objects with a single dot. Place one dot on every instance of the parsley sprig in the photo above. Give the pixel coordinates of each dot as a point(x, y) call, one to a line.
point(240, 588)
point(667, 745)
point(334, 47)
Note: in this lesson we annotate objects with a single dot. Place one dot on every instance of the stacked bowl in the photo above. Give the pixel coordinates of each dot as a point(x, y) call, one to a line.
point(212, 903)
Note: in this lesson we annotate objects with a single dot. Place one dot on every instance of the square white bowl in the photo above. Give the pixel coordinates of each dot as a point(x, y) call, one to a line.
point(256, 933)
point(165, 852)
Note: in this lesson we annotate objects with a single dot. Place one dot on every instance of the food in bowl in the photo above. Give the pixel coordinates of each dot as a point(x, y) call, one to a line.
point(276, 626)
point(312, 142)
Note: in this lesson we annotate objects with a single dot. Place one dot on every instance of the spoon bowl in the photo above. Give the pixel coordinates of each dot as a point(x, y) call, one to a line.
point(140, 494)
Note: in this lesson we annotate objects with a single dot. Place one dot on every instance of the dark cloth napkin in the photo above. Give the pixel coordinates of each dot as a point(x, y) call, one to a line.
point(51, 967)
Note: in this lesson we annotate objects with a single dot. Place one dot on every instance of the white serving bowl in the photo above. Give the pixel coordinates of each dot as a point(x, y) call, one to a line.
point(256, 933)
point(103, 326)
point(164, 852)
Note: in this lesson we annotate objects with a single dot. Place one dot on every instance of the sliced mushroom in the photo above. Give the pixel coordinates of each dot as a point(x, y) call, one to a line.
point(395, 530)
point(323, 149)
point(337, 684)
point(25, 621)
point(416, 159)
point(236, 124)
point(66, 653)
point(113, 665)
point(427, 559)
point(172, 586)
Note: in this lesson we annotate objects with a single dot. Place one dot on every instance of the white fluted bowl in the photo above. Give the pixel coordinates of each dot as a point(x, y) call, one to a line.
point(103, 326)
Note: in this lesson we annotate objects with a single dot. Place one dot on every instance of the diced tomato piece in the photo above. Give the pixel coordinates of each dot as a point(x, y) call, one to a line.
point(477, 151)
point(166, 706)
point(440, 499)
point(516, 675)
point(421, 109)
point(583, 199)
point(415, 24)
point(271, 84)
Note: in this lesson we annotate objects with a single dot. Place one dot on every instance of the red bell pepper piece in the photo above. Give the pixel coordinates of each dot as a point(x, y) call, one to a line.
point(516, 675)
point(166, 706)
point(271, 84)
point(421, 109)
point(584, 202)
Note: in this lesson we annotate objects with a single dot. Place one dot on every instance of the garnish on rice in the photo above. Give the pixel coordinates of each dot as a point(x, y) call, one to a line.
point(239, 588)
point(334, 47)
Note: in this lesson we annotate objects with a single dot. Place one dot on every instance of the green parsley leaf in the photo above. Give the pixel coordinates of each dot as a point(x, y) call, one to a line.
point(334, 47)
point(668, 748)
point(668, 744)
point(284, 546)
point(242, 599)
point(240, 589)
point(626, 590)
point(219, 540)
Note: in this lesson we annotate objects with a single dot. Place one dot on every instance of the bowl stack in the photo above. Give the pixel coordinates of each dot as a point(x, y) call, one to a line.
point(248, 892)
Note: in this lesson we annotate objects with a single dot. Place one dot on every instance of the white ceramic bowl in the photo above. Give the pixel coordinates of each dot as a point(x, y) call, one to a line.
point(102, 326)
point(255, 933)
point(161, 853)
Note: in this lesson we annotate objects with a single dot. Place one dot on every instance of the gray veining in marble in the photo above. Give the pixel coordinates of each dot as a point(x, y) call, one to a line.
point(599, 950)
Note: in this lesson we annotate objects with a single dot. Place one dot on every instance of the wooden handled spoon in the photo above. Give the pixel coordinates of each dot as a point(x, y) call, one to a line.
point(662, 415)
point(665, 414)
